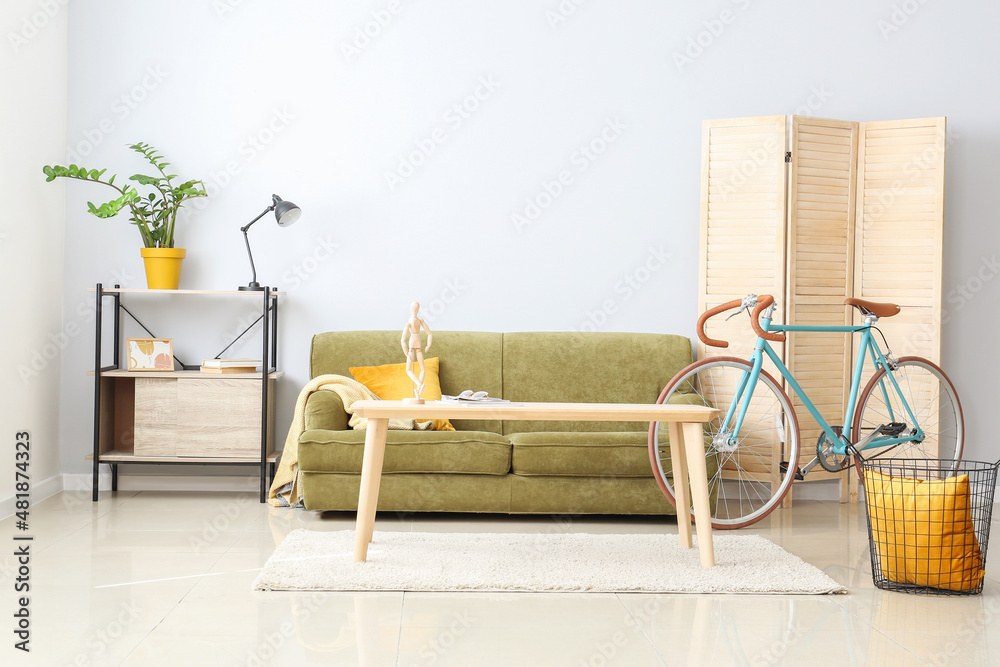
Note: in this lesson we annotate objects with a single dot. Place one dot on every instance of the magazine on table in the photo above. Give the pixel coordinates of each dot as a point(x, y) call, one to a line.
point(469, 396)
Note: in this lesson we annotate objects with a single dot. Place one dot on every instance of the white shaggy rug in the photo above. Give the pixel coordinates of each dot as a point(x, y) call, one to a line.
point(397, 561)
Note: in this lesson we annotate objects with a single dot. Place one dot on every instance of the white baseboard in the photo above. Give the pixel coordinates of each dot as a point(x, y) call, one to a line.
point(76, 482)
point(39, 492)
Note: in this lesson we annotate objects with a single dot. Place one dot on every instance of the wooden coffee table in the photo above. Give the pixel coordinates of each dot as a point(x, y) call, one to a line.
point(687, 450)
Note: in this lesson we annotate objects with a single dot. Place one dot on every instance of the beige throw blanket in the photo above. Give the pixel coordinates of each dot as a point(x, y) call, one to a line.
point(285, 485)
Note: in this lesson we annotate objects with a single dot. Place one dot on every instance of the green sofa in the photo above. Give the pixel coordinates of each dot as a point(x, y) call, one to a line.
point(518, 467)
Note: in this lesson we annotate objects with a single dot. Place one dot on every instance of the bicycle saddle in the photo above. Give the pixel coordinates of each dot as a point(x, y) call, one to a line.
point(876, 309)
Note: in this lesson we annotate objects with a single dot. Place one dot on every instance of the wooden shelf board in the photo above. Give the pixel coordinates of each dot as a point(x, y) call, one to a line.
point(120, 373)
point(128, 456)
point(132, 290)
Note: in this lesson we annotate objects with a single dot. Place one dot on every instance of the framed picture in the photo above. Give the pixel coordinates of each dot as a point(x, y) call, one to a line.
point(150, 354)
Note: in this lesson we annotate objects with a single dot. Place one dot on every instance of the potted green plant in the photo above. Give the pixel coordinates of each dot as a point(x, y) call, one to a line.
point(154, 213)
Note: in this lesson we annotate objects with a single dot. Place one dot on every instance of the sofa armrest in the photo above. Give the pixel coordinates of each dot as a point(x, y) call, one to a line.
point(325, 410)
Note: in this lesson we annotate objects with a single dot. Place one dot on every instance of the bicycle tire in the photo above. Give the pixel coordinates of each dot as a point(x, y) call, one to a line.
point(934, 401)
point(735, 472)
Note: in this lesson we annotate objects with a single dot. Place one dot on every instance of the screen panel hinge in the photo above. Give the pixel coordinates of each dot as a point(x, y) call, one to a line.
point(788, 156)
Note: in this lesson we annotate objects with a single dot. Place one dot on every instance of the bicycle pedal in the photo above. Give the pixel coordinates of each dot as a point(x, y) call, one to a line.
point(892, 428)
point(784, 468)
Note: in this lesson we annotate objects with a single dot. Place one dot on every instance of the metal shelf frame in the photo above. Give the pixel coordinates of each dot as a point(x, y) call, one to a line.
point(269, 363)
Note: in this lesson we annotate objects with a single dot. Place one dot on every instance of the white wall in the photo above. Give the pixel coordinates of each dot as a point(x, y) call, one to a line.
point(33, 73)
point(259, 97)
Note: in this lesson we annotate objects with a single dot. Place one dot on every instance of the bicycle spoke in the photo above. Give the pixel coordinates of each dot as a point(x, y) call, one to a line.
point(932, 403)
point(745, 480)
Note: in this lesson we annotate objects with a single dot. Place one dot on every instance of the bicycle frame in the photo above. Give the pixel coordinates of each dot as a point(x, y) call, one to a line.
point(867, 347)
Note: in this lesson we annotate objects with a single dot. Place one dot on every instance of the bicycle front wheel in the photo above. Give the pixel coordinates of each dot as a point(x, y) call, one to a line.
point(750, 472)
point(932, 401)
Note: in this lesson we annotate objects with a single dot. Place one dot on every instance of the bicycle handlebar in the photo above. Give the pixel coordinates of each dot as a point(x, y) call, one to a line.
point(764, 301)
point(711, 312)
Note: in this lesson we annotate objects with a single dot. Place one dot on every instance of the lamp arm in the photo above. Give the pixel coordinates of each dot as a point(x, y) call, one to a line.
point(246, 239)
point(247, 226)
point(253, 268)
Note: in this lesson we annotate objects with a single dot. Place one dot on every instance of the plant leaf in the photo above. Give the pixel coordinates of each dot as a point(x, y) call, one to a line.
point(144, 180)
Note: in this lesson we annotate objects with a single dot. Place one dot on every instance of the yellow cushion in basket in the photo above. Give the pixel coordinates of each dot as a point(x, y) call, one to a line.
point(923, 531)
point(391, 383)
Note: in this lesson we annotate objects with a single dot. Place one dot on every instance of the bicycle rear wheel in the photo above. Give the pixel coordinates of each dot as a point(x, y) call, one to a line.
point(749, 473)
point(933, 401)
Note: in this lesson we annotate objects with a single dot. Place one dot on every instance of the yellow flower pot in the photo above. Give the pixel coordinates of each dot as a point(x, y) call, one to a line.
point(163, 267)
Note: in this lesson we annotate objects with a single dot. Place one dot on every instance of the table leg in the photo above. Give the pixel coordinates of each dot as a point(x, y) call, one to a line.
point(682, 499)
point(371, 477)
point(694, 443)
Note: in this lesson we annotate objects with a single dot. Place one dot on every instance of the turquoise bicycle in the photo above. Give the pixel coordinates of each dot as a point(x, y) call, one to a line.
point(909, 409)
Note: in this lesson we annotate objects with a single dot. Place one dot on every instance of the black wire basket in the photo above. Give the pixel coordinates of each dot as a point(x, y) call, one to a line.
point(929, 523)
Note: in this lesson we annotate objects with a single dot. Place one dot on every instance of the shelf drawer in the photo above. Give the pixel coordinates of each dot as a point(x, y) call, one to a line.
point(199, 417)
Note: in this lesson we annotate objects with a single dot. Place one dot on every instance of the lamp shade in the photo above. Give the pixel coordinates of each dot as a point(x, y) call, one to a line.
point(285, 212)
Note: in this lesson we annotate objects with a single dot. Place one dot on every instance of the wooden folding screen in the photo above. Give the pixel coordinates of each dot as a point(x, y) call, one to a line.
point(742, 239)
point(821, 204)
point(813, 211)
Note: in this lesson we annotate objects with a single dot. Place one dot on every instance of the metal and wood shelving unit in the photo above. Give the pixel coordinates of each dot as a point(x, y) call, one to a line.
point(184, 416)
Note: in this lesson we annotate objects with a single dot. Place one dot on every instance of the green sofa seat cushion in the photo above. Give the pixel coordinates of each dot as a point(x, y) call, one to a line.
point(471, 452)
point(410, 492)
point(577, 454)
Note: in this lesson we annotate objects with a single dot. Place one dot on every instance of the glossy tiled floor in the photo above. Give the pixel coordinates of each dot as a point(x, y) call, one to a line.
point(163, 578)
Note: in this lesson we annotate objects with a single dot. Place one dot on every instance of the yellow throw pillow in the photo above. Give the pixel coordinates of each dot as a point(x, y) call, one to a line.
point(391, 383)
point(923, 531)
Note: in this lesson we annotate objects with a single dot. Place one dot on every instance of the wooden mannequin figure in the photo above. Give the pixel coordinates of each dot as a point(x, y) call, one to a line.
point(411, 343)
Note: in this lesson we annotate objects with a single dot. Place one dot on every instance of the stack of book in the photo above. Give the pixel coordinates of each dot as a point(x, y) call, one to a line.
point(230, 365)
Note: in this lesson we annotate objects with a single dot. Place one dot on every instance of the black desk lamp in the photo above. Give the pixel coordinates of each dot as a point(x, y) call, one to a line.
point(286, 213)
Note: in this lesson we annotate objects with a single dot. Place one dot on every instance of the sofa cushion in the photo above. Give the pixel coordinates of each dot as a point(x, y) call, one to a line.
point(469, 360)
point(473, 452)
point(391, 383)
point(588, 368)
point(581, 454)
point(411, 492)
